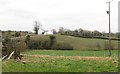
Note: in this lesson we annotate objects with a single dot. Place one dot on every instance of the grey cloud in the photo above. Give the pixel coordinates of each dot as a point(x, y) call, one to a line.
point(19, 13)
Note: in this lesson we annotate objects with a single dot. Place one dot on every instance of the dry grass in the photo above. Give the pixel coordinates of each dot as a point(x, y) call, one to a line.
point(31, 57)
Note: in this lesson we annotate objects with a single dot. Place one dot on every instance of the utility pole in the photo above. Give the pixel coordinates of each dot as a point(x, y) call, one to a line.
point(109, 33)
point(108, 12)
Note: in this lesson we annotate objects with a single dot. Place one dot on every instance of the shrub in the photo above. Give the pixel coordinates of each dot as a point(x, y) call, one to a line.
point(19, 47)
point(13, 45)
point(8, 47)
point(39, 44)
point(32, 44)
point(52, 40)
point(17, 34)
point(62, 46)
point(48, 43)
point(45, 44)
point(27, 39)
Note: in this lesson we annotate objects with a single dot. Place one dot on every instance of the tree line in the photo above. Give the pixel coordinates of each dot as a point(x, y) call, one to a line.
point(87, 33)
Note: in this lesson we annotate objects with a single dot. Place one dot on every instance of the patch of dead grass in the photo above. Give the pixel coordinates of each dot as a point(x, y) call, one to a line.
point(32, 57)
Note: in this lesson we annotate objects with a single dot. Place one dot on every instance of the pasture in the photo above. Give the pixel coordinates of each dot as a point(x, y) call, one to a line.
point(100, 53)
point(87, 43)
point(88, 56)
point(62, 61)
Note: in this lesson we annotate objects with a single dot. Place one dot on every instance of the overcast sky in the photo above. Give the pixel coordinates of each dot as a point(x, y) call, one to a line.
point(70, 14)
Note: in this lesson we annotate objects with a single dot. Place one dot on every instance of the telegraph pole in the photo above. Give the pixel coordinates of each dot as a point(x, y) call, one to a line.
point(109, 32)
point(108, 12)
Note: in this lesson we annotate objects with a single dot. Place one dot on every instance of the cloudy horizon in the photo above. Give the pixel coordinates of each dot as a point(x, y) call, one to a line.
point(52, 14)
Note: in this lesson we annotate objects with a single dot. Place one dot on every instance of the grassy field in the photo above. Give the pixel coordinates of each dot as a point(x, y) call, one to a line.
point(78, 60)
point(62, 61)
point(86, 43)
point(102, 53)
point(60, 65)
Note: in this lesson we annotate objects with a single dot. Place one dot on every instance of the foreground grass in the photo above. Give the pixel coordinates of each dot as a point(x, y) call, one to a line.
point(104, 53)
point(62, 61)
point(44, 64)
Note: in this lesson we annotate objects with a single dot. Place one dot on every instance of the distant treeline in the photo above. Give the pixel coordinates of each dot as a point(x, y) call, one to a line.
point(77, 33)
point(11, 34)
point(88, 34)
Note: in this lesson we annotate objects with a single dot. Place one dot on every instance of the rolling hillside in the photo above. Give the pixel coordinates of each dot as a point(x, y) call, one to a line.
point(86, 43)
point(80, 43)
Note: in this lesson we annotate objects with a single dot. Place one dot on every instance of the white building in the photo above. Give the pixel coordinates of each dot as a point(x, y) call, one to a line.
point(49, 32)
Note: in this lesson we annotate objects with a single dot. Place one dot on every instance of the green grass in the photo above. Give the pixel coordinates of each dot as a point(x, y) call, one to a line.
point(36, 61)
point(59, 65)
point(43, 64)
point(86, 43)
point(71, 52)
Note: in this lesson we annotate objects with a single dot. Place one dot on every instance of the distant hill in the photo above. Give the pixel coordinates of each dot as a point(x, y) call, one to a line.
point(81, 43)
point(76, 42)
point(87, 43)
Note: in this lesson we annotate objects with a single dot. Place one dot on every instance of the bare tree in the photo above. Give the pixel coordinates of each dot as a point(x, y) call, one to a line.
point(54, 31)
point(36, 27)
point(61, 30)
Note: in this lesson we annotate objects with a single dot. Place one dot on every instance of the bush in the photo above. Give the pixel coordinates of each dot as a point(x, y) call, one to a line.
point(27, 39)
point(52, 40)
point(48, 43)
point(19, 47)
point(39, 44)
point(17, 34)
point(13, 45)
point(32, 44)
point(45, 44)
point(62, 46)
point(8, 47)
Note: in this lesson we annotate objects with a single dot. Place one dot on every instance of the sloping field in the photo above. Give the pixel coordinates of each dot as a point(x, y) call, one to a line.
point(86, 43)
point(78, 43)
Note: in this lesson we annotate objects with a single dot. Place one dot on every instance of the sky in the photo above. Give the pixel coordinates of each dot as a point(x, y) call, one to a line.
point(52, 14)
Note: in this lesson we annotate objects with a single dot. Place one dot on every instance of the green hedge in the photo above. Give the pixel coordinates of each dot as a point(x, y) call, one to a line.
point(62, 46)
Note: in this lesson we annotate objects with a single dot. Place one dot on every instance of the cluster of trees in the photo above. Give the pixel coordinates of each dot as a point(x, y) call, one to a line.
point(86, 33)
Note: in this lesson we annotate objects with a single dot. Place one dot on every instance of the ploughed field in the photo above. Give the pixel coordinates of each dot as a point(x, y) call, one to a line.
point(63, 61)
